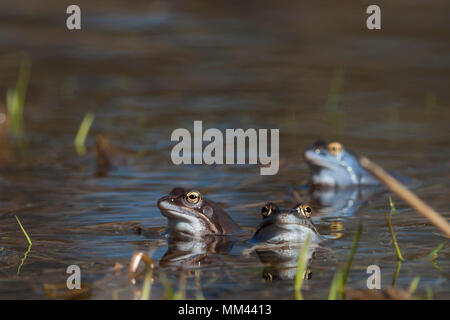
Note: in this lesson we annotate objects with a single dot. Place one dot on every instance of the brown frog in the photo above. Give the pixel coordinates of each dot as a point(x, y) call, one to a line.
point(190, 214)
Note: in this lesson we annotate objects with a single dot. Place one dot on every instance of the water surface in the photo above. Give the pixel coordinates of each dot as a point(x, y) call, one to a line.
point(147, 69)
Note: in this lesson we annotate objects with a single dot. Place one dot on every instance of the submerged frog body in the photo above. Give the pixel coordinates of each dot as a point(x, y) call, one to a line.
point(334, 166)
point(286, 226)
point(190, 214)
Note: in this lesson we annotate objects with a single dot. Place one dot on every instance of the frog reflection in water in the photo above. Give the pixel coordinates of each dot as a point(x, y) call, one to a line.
point(279, 237)
point(196, 227)
point(334, 166)
point(192, 252)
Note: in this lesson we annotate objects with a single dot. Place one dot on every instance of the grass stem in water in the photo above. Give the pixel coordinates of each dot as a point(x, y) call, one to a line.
point(29, 246)
point(391, 230)
point(82, 133)
point(348, 264)
point(302, 263)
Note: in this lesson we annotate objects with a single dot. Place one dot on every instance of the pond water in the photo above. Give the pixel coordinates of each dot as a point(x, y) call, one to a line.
point(144, 69)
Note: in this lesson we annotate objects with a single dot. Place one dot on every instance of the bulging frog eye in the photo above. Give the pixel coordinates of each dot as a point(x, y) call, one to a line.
point(193, 197)
point(306, 210)
point(335, 148)
point(268, 209)
point(303, 209)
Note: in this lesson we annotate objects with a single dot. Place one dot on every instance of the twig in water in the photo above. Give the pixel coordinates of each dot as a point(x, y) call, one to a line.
point(104, 156)
point(407, 195)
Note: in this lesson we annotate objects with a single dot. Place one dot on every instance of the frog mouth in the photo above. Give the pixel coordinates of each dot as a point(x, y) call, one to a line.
point(284, 233)
point(337, 171)
point(317, 161)
point(179, 215)
point(176, 216)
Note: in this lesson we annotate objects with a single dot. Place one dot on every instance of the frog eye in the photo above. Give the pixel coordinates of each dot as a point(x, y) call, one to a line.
point(306, 210)
point(303, 209)
point(267, 276)
point(193, 197)
point(268, 209)
point(335, 148)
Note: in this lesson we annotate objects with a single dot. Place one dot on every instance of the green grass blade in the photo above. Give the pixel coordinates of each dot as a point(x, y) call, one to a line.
point(429, 293)
point(15, 98)
point(348, 264)
point(24, 232)
point(433, 254)
point(168, 291)
point(22, 261)
point(335, 286)
point(397, 271)
point(394, 239)
point(147, 286)
point(181, 292)
point(82, 133)
point(436, 266)
point(179, 295)
point(413, 285)
point(392, 205)
point(302, 263)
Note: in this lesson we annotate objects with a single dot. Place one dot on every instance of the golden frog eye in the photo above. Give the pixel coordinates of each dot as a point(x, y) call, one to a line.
point(268, 209)
point(306, 210)
point(335, 148)
point(193, 197)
